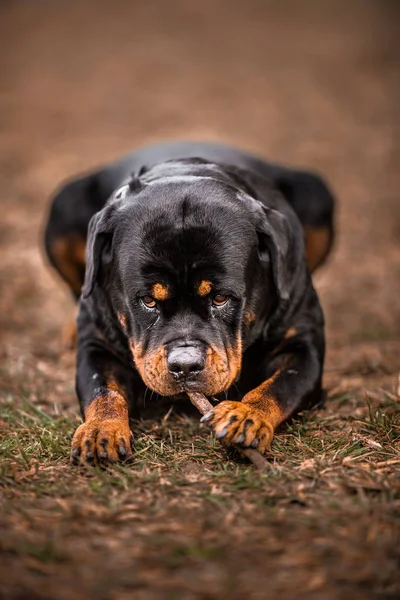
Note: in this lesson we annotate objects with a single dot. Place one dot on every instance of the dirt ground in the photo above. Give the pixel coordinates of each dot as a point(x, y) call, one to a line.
point(312, 83)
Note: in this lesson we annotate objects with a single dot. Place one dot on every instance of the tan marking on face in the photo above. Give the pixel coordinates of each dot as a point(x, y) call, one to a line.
point(68, 254)
point(159, 291)
point(122, 320)
point(221, 369)
point(249, 318)
point(292, 331)
point(204, 288)
point(263, 399)
point(235, 359)
point(152, 367)
point(318, 244)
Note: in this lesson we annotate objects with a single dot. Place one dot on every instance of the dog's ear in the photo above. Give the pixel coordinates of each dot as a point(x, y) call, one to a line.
point(280, 245)
point(98, 247)
point(277, 246)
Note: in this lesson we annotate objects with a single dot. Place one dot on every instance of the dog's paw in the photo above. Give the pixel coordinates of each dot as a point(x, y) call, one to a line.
point(98, 442)
point(237, 424)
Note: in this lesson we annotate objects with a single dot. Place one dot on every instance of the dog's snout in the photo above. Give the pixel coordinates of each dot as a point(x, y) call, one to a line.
point(184, 361)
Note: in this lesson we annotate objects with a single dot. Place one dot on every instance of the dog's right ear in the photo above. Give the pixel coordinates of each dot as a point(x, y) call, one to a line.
point(98, 246)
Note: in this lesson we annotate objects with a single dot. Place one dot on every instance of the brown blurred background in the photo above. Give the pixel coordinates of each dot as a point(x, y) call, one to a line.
point(313, 83)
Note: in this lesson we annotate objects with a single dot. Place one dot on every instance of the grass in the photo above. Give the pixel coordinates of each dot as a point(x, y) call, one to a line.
point(183, 505)
point(315, 445)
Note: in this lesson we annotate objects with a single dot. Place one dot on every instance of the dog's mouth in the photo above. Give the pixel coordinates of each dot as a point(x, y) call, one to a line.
point(192, 385)
point(167, 385)
point(188, 369)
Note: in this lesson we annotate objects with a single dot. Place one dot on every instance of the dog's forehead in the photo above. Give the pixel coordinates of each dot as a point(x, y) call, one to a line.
point(196, 226)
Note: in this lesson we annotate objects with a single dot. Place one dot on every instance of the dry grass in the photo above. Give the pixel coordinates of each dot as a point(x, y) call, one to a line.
point(184, 519)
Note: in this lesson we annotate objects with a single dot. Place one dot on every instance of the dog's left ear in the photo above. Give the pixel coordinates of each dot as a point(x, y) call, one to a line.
point(280, 243)
point(98, 247)
point(274, 246)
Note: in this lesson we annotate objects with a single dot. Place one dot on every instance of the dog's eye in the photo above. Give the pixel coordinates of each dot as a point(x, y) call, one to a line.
point(149, 302)
point(220, 300)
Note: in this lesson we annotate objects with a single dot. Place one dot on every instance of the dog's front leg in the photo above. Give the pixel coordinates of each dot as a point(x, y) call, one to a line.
point(295, 382)
point(102, 386)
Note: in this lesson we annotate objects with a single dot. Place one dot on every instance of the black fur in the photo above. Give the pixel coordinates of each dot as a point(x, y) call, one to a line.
point(194, 212)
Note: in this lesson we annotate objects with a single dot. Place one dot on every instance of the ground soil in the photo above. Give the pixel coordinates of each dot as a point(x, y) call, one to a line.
point(312, 83)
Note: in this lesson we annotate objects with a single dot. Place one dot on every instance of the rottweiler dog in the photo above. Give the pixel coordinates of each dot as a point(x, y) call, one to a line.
point(192, 265)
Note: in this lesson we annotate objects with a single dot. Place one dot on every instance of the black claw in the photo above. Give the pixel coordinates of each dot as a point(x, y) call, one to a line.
point(247, 424)
point(122, 450)
point(90, 456)
point(75, 454)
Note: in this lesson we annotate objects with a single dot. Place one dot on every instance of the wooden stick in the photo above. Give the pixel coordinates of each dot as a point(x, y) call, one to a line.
point(204, 406)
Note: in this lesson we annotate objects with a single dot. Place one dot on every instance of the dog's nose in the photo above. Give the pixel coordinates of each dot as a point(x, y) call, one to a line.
point(183, 361)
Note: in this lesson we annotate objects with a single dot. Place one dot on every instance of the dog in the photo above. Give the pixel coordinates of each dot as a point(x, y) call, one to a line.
point(192, 264)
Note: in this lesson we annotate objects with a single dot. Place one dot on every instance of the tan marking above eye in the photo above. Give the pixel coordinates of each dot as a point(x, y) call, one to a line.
point(220, 300)
point(292, 331)
point(160, 291)
point(204, 288)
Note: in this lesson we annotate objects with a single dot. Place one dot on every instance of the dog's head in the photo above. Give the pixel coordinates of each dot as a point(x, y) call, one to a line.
point(191, 264)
